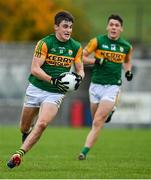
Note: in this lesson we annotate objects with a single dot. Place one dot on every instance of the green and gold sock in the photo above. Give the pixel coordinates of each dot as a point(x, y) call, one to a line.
point(85, 150)
point(21, 152)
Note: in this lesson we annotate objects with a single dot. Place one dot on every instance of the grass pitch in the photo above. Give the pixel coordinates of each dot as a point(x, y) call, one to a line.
point(118, 154)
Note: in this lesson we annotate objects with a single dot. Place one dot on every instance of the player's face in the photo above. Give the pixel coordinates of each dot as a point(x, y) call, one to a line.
point(114, 29)
point(63, 30)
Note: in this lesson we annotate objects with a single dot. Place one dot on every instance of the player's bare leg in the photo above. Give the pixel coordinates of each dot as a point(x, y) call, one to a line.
point(47, 113)
point(114, 109)
point(26, 122)
point(100, 115)
point(110, 115)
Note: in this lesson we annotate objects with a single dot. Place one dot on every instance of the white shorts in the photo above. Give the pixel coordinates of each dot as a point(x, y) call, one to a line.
point(98, 92)
point(35, 97)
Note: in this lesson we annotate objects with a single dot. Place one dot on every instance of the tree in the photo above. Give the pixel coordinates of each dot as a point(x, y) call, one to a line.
point(29, 20)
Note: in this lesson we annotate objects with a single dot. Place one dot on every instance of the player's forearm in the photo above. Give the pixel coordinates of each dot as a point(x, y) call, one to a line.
point(127, 66)
point(87, 57)
point(40, 74)
point(88, 60)
point(80, 69)
point(81, 73)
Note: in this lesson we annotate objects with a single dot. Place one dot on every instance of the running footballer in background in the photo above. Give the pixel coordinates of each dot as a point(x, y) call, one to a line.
point(110, 53)
point(54, 55)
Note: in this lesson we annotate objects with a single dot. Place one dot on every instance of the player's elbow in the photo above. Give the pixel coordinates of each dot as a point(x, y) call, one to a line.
point(34, 71)
point(85, 59)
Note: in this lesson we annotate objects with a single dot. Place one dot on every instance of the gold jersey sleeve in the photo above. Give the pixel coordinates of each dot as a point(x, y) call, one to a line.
point(41, 50)
point(78, 57)
point(91, 46)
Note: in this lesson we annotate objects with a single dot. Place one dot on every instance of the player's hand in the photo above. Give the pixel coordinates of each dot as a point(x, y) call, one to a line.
point(99, 61)
point(128, 75)
point(78, 79)
point(61, 85)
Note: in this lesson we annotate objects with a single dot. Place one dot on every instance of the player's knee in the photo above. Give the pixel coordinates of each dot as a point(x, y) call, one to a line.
point(24, 128)
point(99, 120)
point(100, 117)
point(96, 123)
point(42, 125)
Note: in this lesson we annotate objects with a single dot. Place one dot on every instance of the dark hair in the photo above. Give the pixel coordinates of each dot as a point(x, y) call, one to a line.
point(116, 17)
point(63, 15)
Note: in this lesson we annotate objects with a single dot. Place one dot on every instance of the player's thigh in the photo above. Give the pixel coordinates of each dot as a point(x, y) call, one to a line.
point(104, 108)
point(27, 117)
point(108, 100)
point(47, 113)
point(93, 107)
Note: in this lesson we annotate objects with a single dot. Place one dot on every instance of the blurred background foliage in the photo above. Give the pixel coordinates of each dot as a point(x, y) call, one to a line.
point(30, 20)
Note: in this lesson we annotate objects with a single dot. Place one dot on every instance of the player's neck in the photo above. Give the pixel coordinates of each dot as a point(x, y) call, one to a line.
point(113, 38)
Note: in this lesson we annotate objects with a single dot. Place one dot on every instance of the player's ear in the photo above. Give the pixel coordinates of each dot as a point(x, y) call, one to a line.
point(121, 29)
point(55, 27)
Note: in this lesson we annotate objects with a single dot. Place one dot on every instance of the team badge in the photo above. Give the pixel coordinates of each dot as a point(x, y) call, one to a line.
point(121, 49)
point(70, 52)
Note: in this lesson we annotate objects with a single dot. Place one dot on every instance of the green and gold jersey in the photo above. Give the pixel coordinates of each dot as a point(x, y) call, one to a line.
point(113, 53)
point(58, 57)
